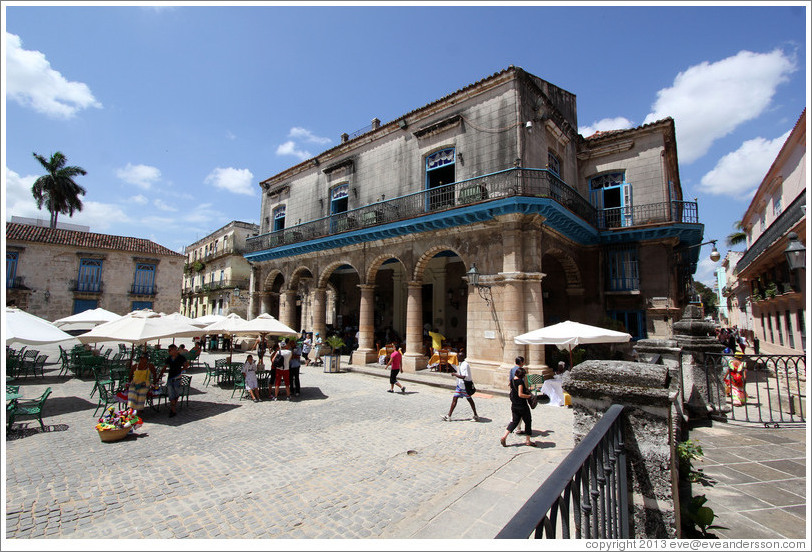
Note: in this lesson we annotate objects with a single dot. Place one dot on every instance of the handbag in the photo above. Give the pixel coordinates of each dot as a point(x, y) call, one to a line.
point(469, 388)
point(533, 400)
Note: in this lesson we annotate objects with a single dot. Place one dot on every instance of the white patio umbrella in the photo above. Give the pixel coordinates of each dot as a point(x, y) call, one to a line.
point(86, 320)
point(228, 325)
point(566, 335)
point(265, 324)
point(207, 320)
point(139, 327)
point(27, 329)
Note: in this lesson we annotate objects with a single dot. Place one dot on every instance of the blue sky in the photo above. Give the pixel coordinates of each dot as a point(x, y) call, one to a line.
point(178, 112)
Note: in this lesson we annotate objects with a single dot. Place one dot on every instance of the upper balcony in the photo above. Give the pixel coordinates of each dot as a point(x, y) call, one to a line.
point(475, 199)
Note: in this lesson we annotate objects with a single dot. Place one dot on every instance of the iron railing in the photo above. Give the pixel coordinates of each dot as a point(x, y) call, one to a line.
point(143, 289)
point(650, 213)
point(587, 491)
point(775, 387)
point(16, 282)
point(88, 286)
point(533, 183)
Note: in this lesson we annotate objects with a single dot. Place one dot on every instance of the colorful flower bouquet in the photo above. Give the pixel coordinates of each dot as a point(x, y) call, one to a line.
point(116, 424)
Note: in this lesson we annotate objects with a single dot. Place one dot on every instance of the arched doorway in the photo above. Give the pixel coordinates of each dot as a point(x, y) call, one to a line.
point(444, 296)
point(389, 306)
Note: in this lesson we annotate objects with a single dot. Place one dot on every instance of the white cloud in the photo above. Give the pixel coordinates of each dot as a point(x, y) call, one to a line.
point(710, 100)
point(739, 173)
point(236, 181)
point(615, 123)
point(230, 135)
point(138, 200)
point(161, 205)
point(31, 82)
point(302, 134)
point(205, 214)
point(101, 217)
point(142, 176)
point(289, 148)
point(706, 270)
point(19, 201)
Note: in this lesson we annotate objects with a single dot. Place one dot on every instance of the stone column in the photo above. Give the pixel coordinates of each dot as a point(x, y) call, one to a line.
point(366, 327)
point(648, 397)
point(511, 314)
point(287, 308)
point(264, 300)
point(319, 312)
point(414, 359)
point(252, 294)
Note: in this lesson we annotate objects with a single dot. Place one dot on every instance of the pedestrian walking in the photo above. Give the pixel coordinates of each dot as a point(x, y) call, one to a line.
point(518, 363)
point(395, 362)
point(755, 344)
point(464, 389)
point(307, 345)
point(276, 362)
point(519, 408)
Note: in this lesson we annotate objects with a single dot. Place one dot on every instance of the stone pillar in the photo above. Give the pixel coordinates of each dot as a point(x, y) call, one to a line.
point(320, 312)
point(287, 308)
point(701, 390)
point(252, 294)
point(414, 359)
point(512, 317)
point(366, 327)
point(264, 300)
point(648, 395)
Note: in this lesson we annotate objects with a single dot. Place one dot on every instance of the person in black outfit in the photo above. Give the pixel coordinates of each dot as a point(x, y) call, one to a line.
point(519, 408)
point(176, 364)
point(755, 343)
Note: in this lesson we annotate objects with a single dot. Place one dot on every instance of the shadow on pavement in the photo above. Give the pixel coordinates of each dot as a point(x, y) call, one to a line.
point(55, 406)
point(195, 410)
point(21, 430)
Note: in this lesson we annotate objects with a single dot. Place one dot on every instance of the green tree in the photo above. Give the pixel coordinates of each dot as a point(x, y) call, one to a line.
point(708, 297)
point(57, 190)
point(737, 237)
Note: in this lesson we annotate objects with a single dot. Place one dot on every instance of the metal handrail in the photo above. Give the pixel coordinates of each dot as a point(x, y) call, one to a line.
point(588, 488)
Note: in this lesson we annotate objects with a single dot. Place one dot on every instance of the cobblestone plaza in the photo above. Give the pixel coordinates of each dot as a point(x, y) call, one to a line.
point(344, 460)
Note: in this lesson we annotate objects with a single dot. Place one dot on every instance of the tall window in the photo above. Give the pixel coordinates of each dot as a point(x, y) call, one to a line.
point(11, 267)
point(778, 328)
point(777, 205)
point(802, 328)
point(770, 325)
point(623, 268)
point(633, 320)
point(89, 275)
point(440, 171)
point(279, 218)
point(553, 163)
point(144, 283)
point(612, 197)
point(81, 305)
point(790, 336)
point(339, 200)
point(222, 276)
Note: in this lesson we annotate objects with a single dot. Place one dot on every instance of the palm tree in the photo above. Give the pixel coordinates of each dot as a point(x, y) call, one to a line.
point(737, 237)
point(57, 189)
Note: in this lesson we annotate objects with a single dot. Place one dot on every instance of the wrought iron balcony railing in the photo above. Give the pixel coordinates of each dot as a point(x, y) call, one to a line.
point(651, 213)
point(531, 183)
point(16, 282)
point(87, 286)
point(137, 289)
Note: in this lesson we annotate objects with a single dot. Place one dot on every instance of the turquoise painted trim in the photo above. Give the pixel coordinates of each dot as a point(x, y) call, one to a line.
point(556, 217)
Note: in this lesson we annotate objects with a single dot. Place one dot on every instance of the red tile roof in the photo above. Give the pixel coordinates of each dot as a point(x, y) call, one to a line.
point(57, 236)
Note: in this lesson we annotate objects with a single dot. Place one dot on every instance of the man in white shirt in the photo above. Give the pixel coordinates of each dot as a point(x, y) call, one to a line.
point(465, 387)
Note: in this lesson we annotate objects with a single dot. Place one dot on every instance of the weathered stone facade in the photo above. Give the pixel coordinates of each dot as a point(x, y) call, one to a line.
point(494, 175)
point(48, 266)
point(214, 267)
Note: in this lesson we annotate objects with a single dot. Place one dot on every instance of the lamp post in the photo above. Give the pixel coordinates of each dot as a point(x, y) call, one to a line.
point(473, 280)
point(714, 256)
point(795, 254)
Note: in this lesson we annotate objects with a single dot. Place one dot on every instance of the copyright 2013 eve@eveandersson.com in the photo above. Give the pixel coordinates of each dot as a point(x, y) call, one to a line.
point(695, 544)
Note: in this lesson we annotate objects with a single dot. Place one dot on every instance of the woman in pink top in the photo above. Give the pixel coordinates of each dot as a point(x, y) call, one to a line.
point(395, 361)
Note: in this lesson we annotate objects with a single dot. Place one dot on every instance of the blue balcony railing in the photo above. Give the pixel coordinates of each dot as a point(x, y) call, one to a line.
point(91, 286)
point(532, 183)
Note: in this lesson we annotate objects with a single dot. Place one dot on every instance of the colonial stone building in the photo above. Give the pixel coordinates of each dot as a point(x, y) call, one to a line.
point(493, 178)
point(765, 288)
point(53, 273)
point(215, 268)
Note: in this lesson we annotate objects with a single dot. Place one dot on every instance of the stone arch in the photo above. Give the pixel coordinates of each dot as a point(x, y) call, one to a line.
point(296, 276)
point(428, 255)
point(376, 263)
point(328, 270)
point(571, 270)
point(270, 279)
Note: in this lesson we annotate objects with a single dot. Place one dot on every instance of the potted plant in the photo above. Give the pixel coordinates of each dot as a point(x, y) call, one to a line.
point(333, 361)
point(772, 290)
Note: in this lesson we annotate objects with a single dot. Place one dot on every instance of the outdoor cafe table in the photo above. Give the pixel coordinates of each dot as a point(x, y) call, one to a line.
point(435, 359)
point(13, 397)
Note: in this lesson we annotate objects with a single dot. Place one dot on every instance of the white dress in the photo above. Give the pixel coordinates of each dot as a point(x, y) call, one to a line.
point(250, 372)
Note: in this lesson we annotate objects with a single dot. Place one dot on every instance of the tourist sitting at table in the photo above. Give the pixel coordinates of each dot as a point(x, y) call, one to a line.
point(194, 352)
point(141, 375)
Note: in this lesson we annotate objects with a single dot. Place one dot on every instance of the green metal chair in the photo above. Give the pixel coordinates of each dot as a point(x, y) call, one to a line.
point(29, 408)
point(65, 360)
point(535, 381)
point(211, 373)
point(103, 379)
point(39, 364)
point(105, 397)
point(185, 387)
point(239, 383)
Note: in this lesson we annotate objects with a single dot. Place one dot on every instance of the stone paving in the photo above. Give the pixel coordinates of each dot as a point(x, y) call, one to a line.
point(344, 460)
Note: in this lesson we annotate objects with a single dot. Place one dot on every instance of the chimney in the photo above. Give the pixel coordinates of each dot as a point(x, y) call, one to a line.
point(376, 123)
point(344, 137)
